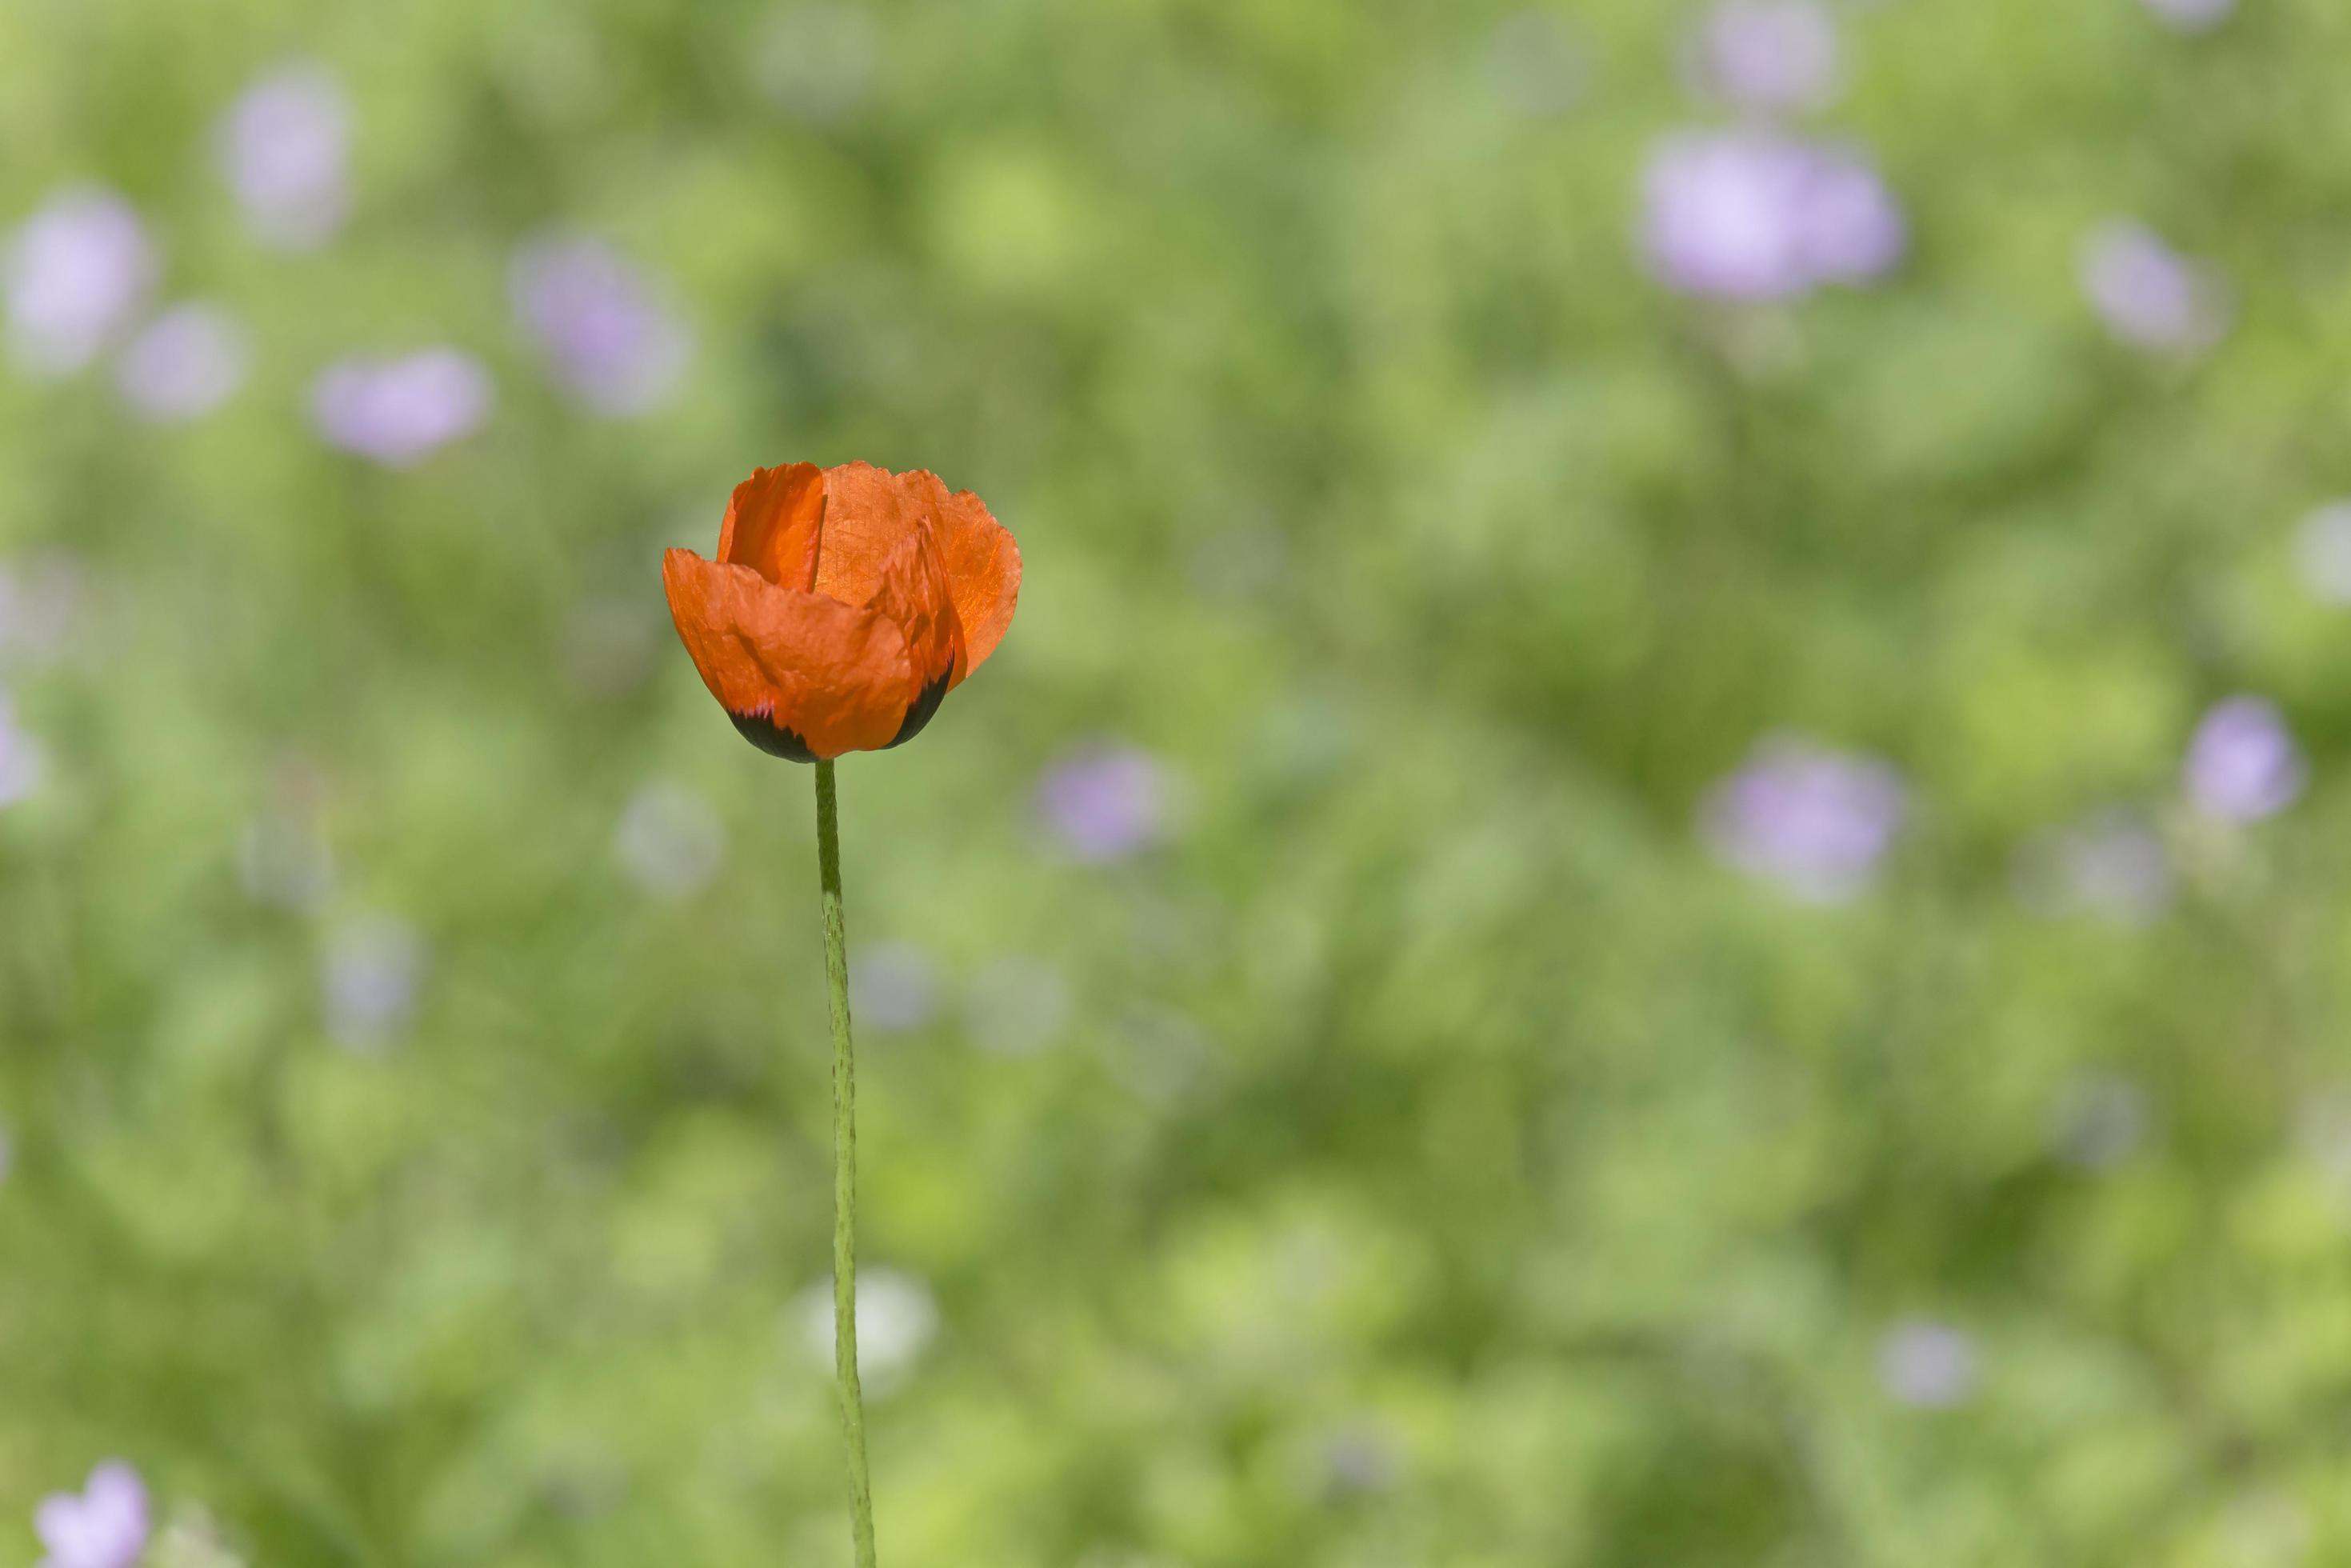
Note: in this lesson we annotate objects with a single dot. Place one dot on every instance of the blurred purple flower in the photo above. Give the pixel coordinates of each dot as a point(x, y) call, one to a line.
point(75, 271)
point(1767, 54)
point(892, 986)
point(1853, 230)
point(370, 974)
point(2190, 15)
point(1814, 821)
point(1106, 803)
point(612, 341)
point(104, 1525)
point(283, 148)
point(22, 762)
point(2243, 764)
point(1927, 1365)
point(2149, 294)
point(187, 363)
point(670, 840)
point(1756, 215)
point(2112, 865)
point(2321, 553)
point(397, 412)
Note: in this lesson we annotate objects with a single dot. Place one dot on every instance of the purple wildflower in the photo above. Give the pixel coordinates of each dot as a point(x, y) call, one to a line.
point(74, 272)
point(1853, 230)
point(1768, 55)
point(283, 148)
point(1106, 803)
point(1814, 821)
point(2243, 764)
point(370, 974)
point(1756, 215)
point(398, 411)
point(612, 342)
point(104, 1525)
point(187, 363)
point(2149, 294)
point(2190, 15)
point(670, 840)
point(1929, 1366)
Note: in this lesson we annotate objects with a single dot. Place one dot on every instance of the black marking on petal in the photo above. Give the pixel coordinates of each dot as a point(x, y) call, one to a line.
point(772, 738)
point(924, 707)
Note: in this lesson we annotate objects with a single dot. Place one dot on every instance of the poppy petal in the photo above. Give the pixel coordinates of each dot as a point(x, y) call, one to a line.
point(773, 524)
point(983, 566)
point(868, 514)
point(914, 594)
point(834, 678)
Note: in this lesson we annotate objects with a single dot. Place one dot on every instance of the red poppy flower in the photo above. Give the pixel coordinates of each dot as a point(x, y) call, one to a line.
point(844, 605)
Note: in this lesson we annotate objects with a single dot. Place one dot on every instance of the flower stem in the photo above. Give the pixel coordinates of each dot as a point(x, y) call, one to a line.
point(844, 1169)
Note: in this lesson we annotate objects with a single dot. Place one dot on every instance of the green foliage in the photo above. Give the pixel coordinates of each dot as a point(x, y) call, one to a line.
point(1443, 1160)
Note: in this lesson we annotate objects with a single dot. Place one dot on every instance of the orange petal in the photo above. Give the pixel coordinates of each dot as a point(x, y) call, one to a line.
point(773, 523)
point(835, 677)
point(868, 514)
point(983, 566)
point(915, 594)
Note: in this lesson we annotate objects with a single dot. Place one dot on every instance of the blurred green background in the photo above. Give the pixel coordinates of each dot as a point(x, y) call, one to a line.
point(1583, 923)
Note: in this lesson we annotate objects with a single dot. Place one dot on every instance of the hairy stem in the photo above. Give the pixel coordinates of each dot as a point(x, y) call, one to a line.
point(844, 1169)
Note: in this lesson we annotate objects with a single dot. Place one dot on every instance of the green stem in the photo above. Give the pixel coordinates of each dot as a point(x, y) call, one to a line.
point(844, 1169)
